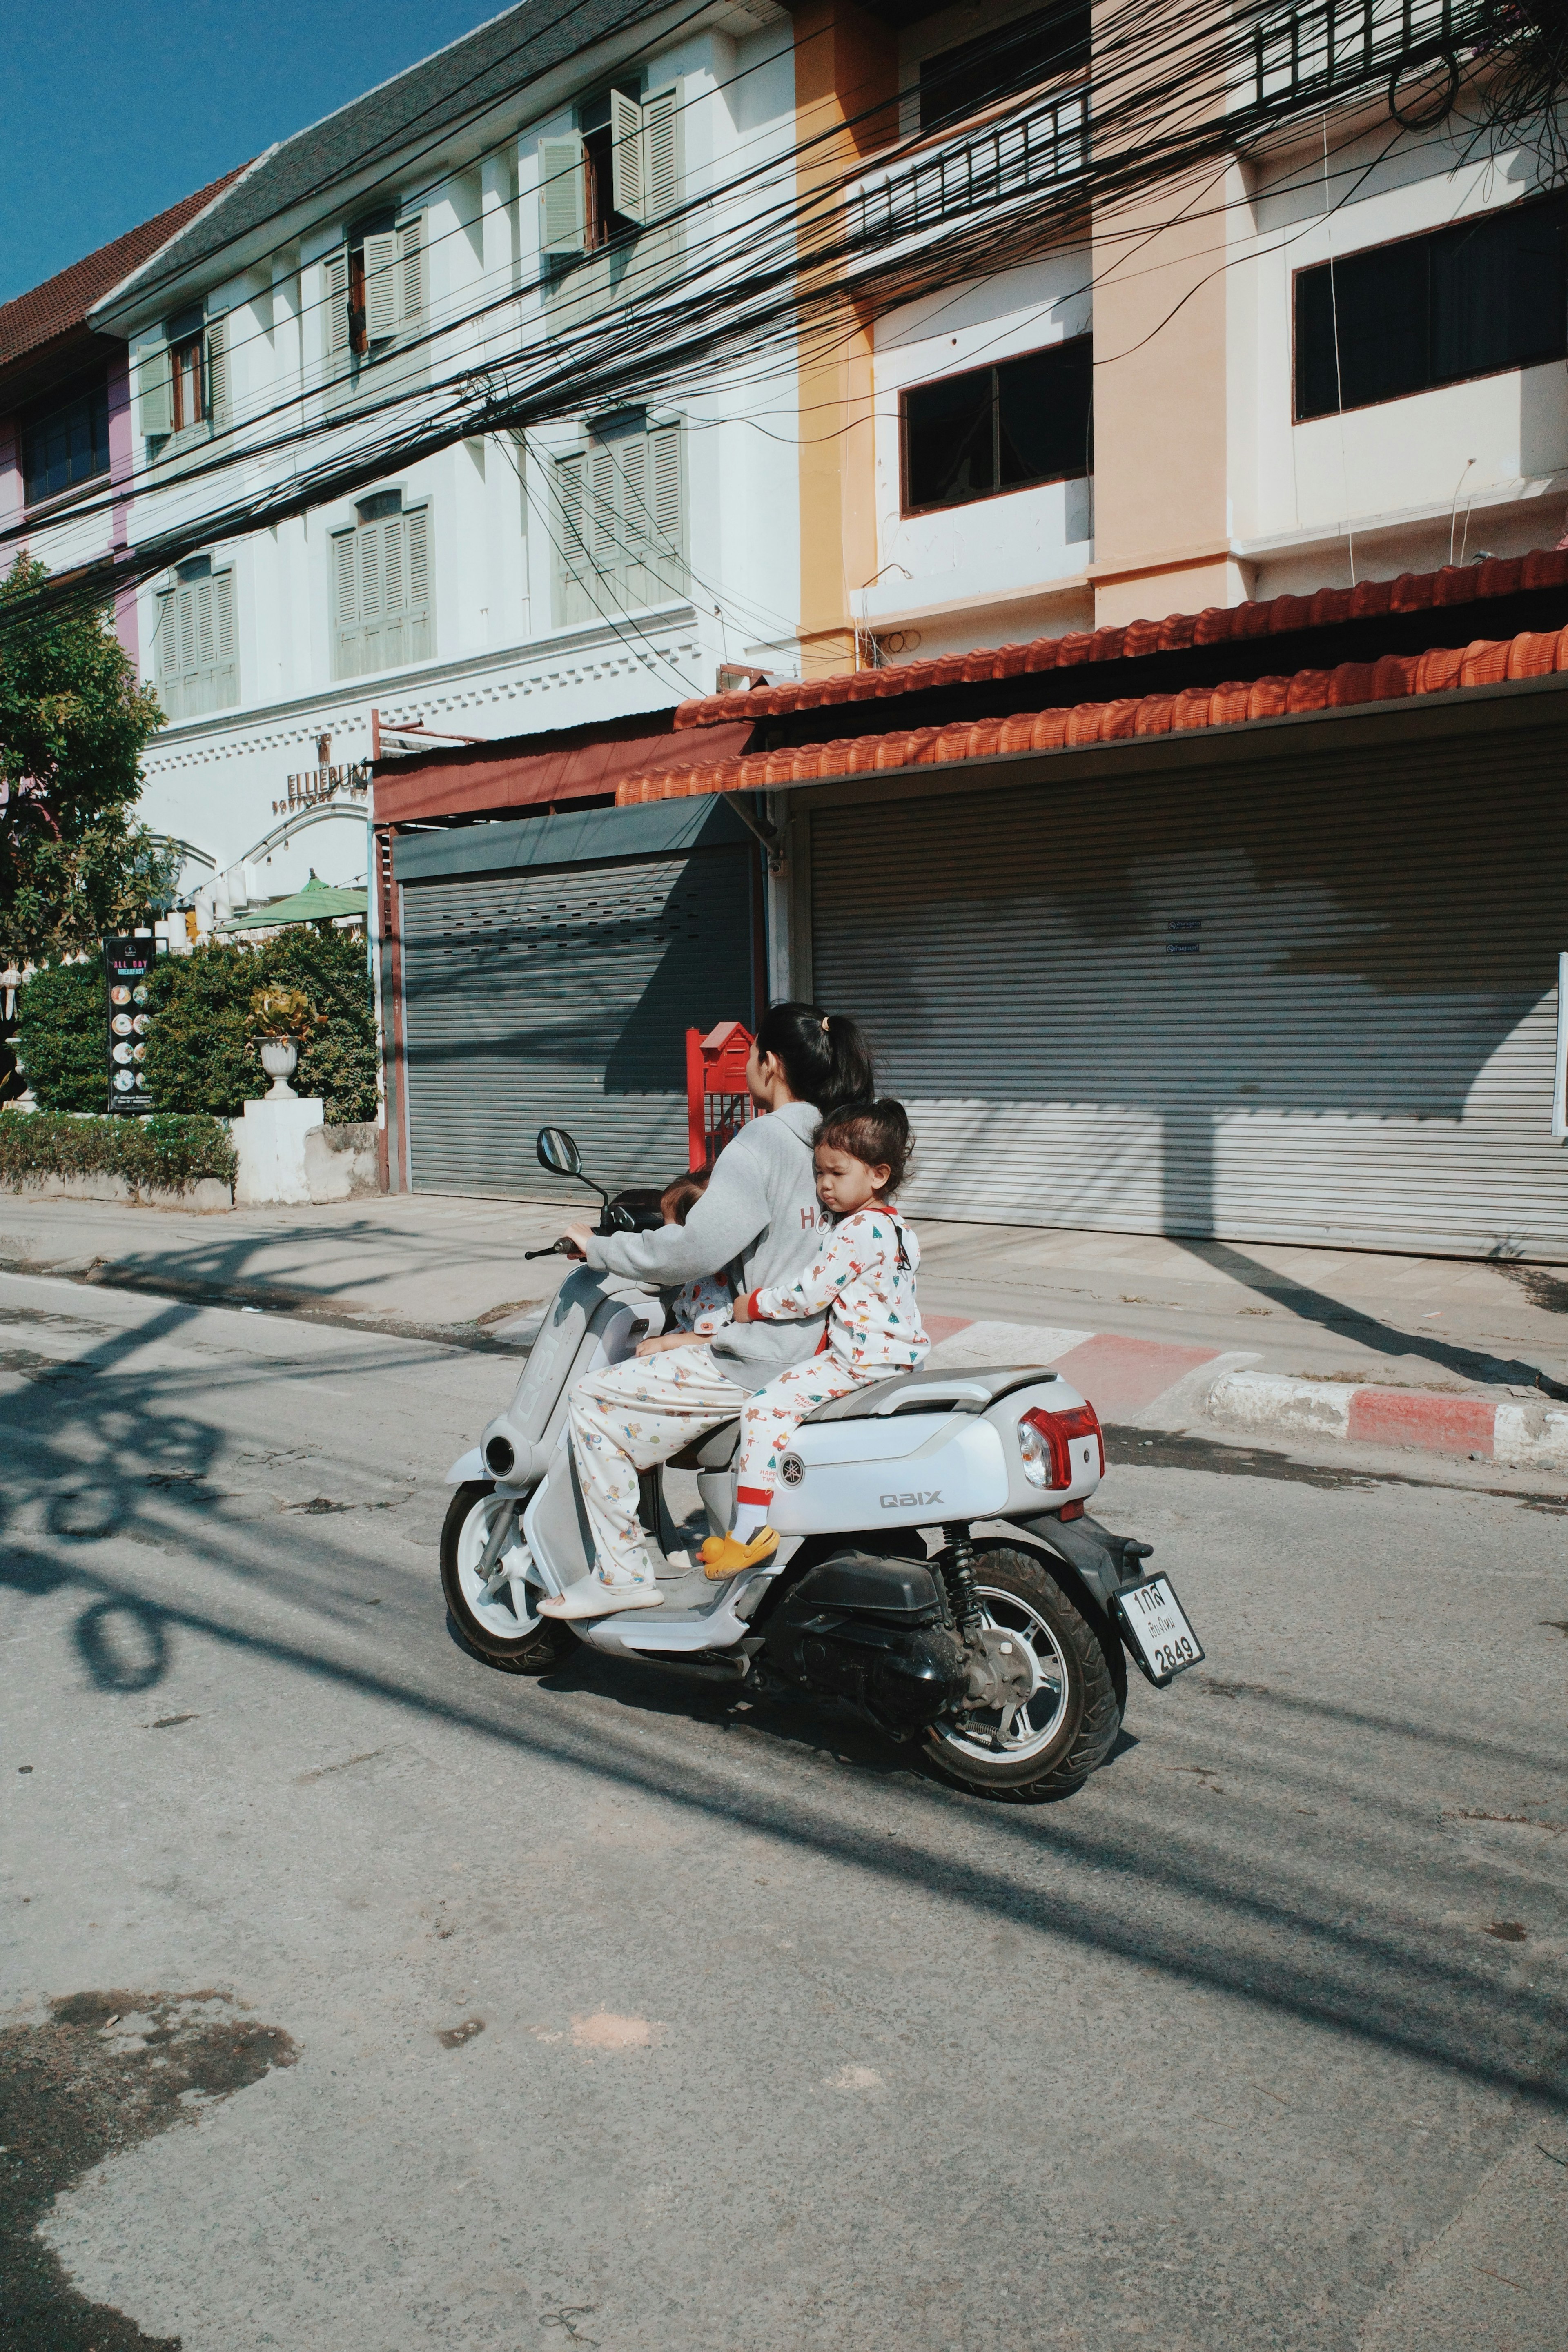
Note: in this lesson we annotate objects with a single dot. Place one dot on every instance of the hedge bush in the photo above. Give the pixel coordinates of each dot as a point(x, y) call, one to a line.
point(202, 1047)
point(61, 1036)
point(172, 1153)
point(202, 1050)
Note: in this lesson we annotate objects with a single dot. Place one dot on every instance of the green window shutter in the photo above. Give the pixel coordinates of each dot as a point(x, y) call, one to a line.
point(196, 664)
point(627, 172)
point(574, 603)
point(381, 286)
point(171, 689)
point(411, 300)
point(154, 391)
point(420, 621)
point(335, 330)
point(664, 454)
point(217, 372)
point(562, 196)
point(348, 637)
point(661, 133)
point(604, 533)
point(226, 664)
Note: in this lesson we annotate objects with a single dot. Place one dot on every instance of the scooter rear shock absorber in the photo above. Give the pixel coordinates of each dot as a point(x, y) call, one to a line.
point(957, 1566)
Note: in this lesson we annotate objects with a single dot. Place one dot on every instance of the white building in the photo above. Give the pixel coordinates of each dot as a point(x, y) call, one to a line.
point(474, 207)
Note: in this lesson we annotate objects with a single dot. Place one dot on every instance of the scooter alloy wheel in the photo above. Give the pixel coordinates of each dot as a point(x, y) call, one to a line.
point(496, 1610)
point(1045, 1740)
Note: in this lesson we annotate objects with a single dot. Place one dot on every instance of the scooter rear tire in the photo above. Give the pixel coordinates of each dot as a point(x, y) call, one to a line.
point(537, 1651)
point(1084, 1718)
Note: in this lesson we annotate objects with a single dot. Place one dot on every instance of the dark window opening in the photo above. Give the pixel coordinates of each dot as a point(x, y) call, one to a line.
point(1473, 300)
point(187, 372)
point(1006, 427)
point(602, 224)
point(379, 504)
point(65, 444)
point(962, 81)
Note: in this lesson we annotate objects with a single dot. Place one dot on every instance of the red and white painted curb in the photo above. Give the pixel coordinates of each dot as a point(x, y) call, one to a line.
point(1153, 1383)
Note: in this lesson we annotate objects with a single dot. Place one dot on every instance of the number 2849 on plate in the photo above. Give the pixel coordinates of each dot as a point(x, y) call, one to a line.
point(1157, 1627)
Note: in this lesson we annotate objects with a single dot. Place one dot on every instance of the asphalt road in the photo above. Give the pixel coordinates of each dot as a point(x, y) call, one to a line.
point(357, 1997)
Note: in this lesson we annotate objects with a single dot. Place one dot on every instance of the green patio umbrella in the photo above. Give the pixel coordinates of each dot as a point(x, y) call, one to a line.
point(318, 902)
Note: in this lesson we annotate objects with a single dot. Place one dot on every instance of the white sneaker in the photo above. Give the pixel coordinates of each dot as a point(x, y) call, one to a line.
point(591, 1597)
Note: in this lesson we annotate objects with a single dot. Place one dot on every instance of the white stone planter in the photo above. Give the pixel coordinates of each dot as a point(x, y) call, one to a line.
point(279, 1059)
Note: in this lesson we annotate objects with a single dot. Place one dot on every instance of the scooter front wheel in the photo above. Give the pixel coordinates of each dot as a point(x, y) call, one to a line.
point(496, 1609)
point(1047, 1742)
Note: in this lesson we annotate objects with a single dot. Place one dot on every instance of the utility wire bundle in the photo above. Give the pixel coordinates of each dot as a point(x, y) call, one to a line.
point(781, 266)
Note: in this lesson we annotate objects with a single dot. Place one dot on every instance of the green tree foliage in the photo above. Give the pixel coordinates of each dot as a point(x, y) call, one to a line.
point(73, 725)
point(61, 1019)
point(202, 1043)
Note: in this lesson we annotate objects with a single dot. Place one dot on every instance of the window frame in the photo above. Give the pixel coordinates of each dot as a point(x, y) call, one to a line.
point(1001, 489)
point(37, 415)
point(194, 342)
point(1440, 383)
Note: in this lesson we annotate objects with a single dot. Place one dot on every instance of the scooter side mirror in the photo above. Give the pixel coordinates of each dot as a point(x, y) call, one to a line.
point(557, 1152)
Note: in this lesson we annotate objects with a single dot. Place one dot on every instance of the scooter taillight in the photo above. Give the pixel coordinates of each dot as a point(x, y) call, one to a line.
point(1059, 1447)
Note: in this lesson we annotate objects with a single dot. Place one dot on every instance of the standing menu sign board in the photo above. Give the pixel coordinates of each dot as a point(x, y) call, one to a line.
point(127, 966)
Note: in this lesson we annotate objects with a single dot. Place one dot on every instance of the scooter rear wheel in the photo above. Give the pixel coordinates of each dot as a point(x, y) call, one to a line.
point(1048, 1745)
point(497, 1614)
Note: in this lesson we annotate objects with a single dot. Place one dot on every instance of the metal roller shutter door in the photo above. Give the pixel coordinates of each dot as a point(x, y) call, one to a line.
point(561, 995)
point(1312, 1001)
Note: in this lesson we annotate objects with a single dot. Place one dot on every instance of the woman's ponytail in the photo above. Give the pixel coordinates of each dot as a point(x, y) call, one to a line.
point(824, 1056)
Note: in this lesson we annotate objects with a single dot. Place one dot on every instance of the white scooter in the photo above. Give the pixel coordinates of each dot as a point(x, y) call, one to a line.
point(1005, 1653)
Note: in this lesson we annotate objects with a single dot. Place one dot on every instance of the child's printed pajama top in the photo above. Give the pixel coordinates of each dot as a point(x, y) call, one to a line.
point(864, 1277)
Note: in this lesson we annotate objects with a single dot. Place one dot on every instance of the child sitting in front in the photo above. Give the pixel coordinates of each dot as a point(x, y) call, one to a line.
point(699, 1309)
point(864, 1277)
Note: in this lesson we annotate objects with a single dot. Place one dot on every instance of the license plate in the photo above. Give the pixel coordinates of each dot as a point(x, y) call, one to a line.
point(1163, 1643)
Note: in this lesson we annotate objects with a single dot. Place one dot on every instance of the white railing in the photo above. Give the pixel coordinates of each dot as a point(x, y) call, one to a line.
point(1036, 150)
point(1339, 42)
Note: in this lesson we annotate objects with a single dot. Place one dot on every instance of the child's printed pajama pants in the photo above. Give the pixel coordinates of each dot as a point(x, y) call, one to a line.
point(626, 1419)
point(771, 1416)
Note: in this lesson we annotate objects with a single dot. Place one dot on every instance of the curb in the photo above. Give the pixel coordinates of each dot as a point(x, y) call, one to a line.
point(1520, 1435)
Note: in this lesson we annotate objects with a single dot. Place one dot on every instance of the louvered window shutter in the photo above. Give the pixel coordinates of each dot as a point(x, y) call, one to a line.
point(562, 196)
point(661, 139)
point(381, 286)
point(348, 635)
point(575, 603)
point(635, 580)
point(411, 302)
point(226, 663)
point(196, 664)
point(421, 629)
point(669, 518)
point(217, 371)
point(604, 535)
point(336, 325)
point(154, 390)
point(628, 172)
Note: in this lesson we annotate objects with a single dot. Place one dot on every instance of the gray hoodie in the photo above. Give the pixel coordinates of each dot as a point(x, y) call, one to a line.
point(761, 1208)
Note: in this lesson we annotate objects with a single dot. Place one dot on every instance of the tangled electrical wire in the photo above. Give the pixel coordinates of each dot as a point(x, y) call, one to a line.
point(781, 264)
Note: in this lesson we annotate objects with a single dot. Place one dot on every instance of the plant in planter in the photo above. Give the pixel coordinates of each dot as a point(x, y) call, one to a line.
point(279, 1018)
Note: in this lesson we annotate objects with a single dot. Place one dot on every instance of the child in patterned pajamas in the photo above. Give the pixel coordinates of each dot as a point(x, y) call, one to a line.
point(698, 1308)
point(864, 1277)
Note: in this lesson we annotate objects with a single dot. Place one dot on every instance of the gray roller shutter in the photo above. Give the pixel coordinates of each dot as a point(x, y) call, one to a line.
point(561, 995)
point(1310, 1002)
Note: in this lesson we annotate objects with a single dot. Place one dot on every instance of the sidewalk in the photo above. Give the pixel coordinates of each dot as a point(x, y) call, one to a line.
point(1336, 1343)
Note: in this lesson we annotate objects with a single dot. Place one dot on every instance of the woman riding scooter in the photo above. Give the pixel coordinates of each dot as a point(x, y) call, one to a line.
point(759, 1210)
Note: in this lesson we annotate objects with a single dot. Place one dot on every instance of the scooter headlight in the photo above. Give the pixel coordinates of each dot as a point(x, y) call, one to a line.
point(1060, 1447)
point(498, 1455)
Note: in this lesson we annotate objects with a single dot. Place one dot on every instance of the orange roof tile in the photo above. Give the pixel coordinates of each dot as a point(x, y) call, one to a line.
point(1485, 662)
point(1413, 591)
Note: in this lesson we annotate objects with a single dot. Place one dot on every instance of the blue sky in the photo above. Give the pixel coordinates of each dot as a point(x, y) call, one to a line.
point(114, 111)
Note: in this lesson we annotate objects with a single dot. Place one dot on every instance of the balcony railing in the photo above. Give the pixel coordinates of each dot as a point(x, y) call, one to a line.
point(1047, 146)
point(1302, 52)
